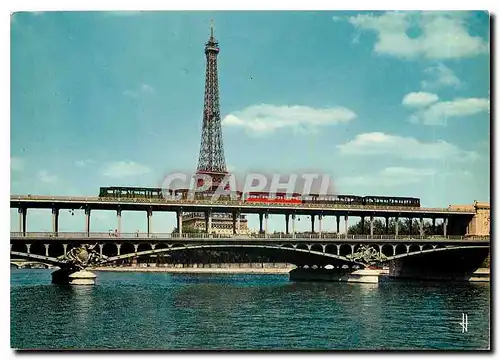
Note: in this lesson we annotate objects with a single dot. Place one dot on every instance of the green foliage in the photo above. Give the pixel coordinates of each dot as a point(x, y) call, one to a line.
point(403, 227)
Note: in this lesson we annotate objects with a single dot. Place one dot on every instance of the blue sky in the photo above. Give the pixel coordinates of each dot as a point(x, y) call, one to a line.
point(386, 103)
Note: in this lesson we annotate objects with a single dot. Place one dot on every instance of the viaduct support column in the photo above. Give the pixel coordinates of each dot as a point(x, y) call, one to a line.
point(346, 221)
point(397, 226)
point(421, 226)
point(338, 224)
point(46, 249)
point(312, 223)
point(209, 221)
point(87, 221)
point(234, 223)
point(287, 218)
point(410, 225)
point(371, 226)
point(261, 219)
point(293, 225)
point(362, 225)
point(55, 221)
point(119, 221)
point(320, 224)
point(179, 223)
point(150, 227)
point(23, 214)
point(386, 225)
point(433, 226)
point(266, 216)
point(238, 222)
point(445, 227)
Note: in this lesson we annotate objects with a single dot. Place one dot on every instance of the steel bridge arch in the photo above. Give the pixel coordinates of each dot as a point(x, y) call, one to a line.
point(218, 246)
point(428, 251)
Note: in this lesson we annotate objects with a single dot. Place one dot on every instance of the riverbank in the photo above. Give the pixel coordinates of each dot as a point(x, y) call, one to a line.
point(205, 269)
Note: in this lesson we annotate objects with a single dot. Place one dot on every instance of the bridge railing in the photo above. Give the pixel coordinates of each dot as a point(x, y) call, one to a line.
point(140, 236)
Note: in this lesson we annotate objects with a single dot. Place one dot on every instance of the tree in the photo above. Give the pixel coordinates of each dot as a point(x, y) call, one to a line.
point(403, 227)
point(188, 230)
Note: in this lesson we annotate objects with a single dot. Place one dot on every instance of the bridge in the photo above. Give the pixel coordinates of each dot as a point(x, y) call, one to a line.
point(456, 220)
point(303, 250)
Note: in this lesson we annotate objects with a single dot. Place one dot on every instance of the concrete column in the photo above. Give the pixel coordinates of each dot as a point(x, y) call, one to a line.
point(119, 221)
point(118, 247)
point(55, 221)
point(234, 223)
point(261, 220)
point(209, 221)
point(421, 226)
point(445, 226)
point(433, 226)
point(179, 222)
point(136, 247)
point(346, 222)
point(397, 226)
point(150, 225)
point(46, 249)
point(65, 247)
point(266, 216)
point(293, 225)
point(87, 221)
point(23, 214)
point(338, 224)
point(320, 224)
point(28, 248)
point(410, 225)
point(238, 222)
point(362, 225)
point(371, 226)
point(386, 225)
point(101, 246)
point(312, 223)
point(287, 218)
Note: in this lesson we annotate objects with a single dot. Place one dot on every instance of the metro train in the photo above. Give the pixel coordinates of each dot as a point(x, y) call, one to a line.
point(258, 197)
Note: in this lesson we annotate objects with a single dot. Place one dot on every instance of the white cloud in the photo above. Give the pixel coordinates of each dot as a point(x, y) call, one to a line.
point(83, 163)
point(438, 113)
point(124, 169)
point(16, 164)
point(261, 119)
point(442, 35)
point(377, 143)
point(439, 76)
point(419, 99)
point(46, 177)
point(390, 176)
point(143, 89)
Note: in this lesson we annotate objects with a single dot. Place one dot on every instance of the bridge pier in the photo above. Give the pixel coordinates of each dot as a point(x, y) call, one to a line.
point(312, 223)
point(70, 277)
point(46, 249)
point(386, 225)
point(421, 226)
point(445, 226)
point(293, 225)
point(362, 225)
point(338, 224)
point(396, 219)
point(208, 221)
point(238, 221)
point(266, 216)
point(433, 226)
point(234, 223)
point(320, 224)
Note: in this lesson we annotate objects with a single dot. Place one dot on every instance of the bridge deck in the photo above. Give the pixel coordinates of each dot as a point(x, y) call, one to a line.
point(71, 202)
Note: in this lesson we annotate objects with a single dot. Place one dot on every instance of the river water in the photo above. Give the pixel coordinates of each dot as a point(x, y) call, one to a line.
point(244, 312)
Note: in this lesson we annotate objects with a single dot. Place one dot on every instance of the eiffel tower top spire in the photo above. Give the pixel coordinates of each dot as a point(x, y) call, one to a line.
point(211, 159)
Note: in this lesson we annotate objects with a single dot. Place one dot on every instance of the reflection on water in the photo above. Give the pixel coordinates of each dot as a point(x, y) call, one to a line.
point(178, 311)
